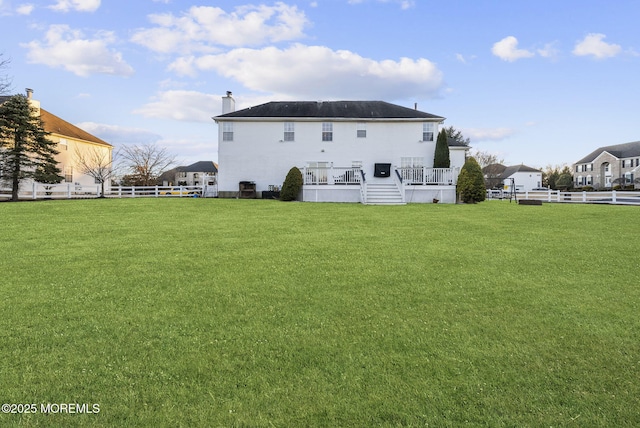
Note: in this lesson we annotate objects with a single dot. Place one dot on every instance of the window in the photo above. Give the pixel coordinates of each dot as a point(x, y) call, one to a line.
point(227, 131)
point(289, 131)
point(68, 174)
point(589, 180)
point(327, 131)
point(427, 131)
point(63, 144)
point(408, 162)
point(361, 130)
point(97, 180)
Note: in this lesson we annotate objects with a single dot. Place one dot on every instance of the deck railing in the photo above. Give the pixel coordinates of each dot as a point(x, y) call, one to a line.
point(331, 175)
point(408, 175)
point(422, 175)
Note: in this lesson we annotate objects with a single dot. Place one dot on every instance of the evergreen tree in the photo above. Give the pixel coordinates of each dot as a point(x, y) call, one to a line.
point(25, 151)
point(441, 157)
point(292, 185)
point(470, 186)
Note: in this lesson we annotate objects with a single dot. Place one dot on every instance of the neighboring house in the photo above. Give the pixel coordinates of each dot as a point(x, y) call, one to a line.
point(71, 140)
point(493, 175)
point(335, 144)
point(523, 177)
point(191, 175)
point(609, 165)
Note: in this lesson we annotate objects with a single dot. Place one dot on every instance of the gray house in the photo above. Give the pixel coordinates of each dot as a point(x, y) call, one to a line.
point(610, 165)
point(191, 175)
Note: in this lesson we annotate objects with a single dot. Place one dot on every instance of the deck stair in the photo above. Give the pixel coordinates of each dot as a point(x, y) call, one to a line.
point(382, 193)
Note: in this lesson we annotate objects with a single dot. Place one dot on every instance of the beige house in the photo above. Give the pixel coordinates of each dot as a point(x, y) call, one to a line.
point(608, 166)
point(73, 143)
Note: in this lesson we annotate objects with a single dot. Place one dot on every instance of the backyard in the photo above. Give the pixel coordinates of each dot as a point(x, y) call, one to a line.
point(213, 312)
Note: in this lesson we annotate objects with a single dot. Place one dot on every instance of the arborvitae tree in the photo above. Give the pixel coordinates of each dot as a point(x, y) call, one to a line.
point(441, 157)
point(292, 185)
point(25, 150)
point(471, 183)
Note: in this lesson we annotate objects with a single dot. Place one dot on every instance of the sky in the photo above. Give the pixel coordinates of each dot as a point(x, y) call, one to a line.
point(538, 83)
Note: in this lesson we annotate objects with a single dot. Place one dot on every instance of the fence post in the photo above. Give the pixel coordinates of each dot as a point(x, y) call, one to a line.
point(156, 190)
point(35, 187)
point(133, 191)
point(613, 196)
point(68, 190)
point(584, 196)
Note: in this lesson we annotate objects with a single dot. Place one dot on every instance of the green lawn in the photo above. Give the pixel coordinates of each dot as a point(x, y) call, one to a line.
point(206, 312)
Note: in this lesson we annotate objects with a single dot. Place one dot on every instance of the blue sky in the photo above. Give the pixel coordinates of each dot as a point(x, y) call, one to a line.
point(540, 83)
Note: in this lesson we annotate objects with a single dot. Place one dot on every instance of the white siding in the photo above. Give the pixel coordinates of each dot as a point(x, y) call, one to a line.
point(259, 153)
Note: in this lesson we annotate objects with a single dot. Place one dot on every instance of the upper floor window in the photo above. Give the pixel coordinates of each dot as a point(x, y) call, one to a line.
point(361, 130)
point(427, 131)
point(327, 131)
point(227, 131)
point(289, 131)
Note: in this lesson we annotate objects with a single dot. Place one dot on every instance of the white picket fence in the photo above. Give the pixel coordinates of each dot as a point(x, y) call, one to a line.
point(617, 197)
point(76, 191)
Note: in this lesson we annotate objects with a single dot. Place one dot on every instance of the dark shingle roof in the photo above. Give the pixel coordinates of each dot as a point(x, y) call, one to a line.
point(331, 110)
point(510, 170)
point(202, 166)
point(621, 151)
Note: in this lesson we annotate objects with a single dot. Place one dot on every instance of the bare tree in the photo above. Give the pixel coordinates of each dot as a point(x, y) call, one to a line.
point(146, 163)
point(486, 158)
point(491, 165)
point(5, 81)
point(97, 163)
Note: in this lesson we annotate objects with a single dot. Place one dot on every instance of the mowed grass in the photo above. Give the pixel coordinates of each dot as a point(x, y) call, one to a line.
point(206, 312)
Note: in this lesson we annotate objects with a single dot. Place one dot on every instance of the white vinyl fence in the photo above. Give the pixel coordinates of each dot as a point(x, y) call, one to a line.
point(604, 197)
point(75, 191)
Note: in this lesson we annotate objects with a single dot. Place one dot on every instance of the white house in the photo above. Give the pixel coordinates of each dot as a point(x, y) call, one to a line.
point(523, 177)
point(348, 151)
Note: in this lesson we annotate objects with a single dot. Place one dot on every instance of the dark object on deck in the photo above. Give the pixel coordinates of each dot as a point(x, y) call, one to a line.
point(382, 170)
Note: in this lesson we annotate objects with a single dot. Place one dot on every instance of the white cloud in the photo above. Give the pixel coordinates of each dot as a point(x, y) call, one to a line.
point(488, 134)
point(404, 4)
point(549, 51)
point(25, 9)
point(188, 106)
point(114, 134)
point(205, 28)
point(77, 5)
point(507, 50)
point(68, 49)
point(594, 45)
point(317, 72)
point(465, 60)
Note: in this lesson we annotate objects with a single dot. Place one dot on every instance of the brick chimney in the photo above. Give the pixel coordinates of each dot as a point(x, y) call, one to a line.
point(228, 104)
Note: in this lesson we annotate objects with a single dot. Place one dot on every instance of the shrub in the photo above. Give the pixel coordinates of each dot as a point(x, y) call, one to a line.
point(292, 185)
point(471, 183)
